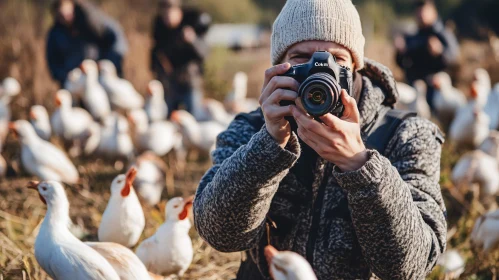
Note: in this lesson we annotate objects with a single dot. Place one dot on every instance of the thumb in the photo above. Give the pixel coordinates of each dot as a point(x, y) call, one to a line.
point(351, 112)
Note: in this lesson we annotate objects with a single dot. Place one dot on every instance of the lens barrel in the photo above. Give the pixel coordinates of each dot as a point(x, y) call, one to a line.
point(319, 93)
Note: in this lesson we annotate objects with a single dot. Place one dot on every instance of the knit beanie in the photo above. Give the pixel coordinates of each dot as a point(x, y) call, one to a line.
point(324, 20)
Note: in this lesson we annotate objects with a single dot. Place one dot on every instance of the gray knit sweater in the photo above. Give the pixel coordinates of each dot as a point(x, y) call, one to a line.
point(384, 220)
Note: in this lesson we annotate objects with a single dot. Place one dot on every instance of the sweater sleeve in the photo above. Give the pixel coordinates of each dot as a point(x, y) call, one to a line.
point(396, 204)
point(234, 196)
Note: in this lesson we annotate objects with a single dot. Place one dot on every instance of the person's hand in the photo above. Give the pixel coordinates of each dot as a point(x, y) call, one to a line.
point(189, 34)
point(435, 46)
point(335, 140)
point(399, 43)
point(275, 89)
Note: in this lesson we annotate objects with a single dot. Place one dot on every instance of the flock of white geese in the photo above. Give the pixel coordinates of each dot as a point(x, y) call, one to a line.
point(119, 123)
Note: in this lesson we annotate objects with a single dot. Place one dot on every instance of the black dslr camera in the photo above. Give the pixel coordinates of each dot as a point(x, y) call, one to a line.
point(321, 80)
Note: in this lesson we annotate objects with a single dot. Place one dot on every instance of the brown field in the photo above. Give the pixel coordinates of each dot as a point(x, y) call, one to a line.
point(23, 25)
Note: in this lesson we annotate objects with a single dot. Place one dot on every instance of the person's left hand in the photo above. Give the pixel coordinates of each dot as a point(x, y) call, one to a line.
point(189, 34)
point(336, 140)
point(435, 46)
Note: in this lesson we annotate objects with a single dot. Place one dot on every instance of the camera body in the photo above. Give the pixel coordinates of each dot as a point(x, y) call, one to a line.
point(321, 80)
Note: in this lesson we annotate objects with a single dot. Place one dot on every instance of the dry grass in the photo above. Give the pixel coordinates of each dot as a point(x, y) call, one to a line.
point(23, 25)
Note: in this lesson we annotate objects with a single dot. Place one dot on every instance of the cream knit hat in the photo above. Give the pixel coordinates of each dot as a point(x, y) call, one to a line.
point(325, 20)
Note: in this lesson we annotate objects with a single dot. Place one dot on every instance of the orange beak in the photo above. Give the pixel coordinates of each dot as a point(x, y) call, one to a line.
point(149, 90)
point(12, 127)
point(130, 177)
point(32, 115)
point(187, 207)
point(270, 252)
point(58, 101)
point(474, 91)
point(436, 83)
point(175, 116)
point(82, 68)
point(34, 186)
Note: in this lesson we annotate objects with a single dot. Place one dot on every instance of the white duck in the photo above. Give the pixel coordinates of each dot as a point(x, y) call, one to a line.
point(59, 253)
point(477, 167)
point(94, 96)
point(288, 265)
point(123, 220)
point(123, 260)
point(158, 137)
point(198, 135)
point(121, 92)
point(75, 84)
point(236, 101)
point(413, 98)
point(169, 250)
point(471, 124)
point(155, 106)
point(150, 180)
point(452, 263)
point(485, 234)
point(41, 158)
point(111, 139)
point(447, 99)
point(10, 87)
point(39, 118)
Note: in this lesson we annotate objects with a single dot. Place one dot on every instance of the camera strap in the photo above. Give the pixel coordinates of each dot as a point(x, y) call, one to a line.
point(388, 120)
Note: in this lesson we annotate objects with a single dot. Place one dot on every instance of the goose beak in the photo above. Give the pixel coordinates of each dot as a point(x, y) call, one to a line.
point(13, 128)
point(32, 115)
point(34, 186)
point(82, 68)
point(149, 90)
point(58, 101)
point(187, 206)
point(270, 252)
point(130, 177)
point(474, 91)
point(175, 116)
point(436, 83)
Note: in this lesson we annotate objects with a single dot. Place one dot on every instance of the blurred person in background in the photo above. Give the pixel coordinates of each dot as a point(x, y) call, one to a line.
point(431, 50)
point(179, 52)
point(82, 31)
point(357, 201)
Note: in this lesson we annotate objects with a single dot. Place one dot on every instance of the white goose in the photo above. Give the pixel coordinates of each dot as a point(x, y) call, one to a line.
point(157, 137)
point(452, 263)
point(288, 265)
point(169, 250)
point(111, 139)
point(41, 158)
point(5, 117)
point(485, 234)
point(477, 167)
point(123, 260)
point(414, 98)
point(471, 124)
point(121, 92)
point(447, 99)
point(155, 106)
point(198, 135)
point(94, 96)
point(59, 253)
point(123, 220)
point(236, 101)
point(10, 87)
point(150, 180)
point(39, 118)
point(75, 84)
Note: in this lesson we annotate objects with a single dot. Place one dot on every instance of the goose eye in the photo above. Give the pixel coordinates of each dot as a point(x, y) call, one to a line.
point(119, 181)
point(176, 206)
point(44, 188)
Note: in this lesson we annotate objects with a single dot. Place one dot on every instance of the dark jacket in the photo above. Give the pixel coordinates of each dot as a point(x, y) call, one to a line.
point(417, 62)
point(91, 30)
point(386, 219)
point(173, 59)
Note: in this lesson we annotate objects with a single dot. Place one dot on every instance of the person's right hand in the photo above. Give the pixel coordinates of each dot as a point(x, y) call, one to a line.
point(275, 89)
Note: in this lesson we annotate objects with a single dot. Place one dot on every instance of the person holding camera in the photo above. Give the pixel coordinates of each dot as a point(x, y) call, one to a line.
point(431, 50)
point(326, 168)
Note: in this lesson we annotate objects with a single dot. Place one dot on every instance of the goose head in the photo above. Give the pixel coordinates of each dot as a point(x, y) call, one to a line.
point(138, 118)
point(122, 185)
point(53, 195)
point(442, 82)
point(178, 208)
point(24, 131)
point(89, 68)
point(107, 69)
point(63, 99)
point(38, 113)
point(288, 265)
point(155, 90)
point(11, 87)
point(185, 120)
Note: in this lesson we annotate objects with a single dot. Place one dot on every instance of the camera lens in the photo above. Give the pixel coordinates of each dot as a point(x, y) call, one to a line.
point(319, 93)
